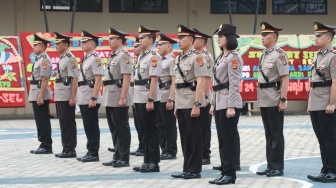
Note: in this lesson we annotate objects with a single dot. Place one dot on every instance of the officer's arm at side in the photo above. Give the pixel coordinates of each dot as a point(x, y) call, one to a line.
point(97, 85)
point(333, 92)
point(44, 85)
point(284, 86)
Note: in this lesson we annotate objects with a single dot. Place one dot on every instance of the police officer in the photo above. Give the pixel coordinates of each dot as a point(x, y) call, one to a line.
point(147, 98)
point(190, 72)
point(167, 129)
point(65, 95)
point(226, 103)
point(272, 91)
point(117, 97)
point(322, 98)
point(88, 95)
point(137, 50)
point(200, 43)
point(40, 94)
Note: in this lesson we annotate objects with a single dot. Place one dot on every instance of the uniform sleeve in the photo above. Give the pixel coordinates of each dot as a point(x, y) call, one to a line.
point(333, 67)
point(125, 64)
point(200, 68)
point(282, 64)
point(72, 67)
point(97, 66)
point(209, 65)
point(155, 66)
point(234, 71)
point(45, 68)
point(172, 67)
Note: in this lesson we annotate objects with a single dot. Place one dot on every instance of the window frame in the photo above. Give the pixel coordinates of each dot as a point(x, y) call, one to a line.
point(156, 12)
point(71, 8)
point(238, 2)
point(299, 13)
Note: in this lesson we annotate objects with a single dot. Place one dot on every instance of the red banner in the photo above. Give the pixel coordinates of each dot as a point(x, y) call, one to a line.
point(12, 93)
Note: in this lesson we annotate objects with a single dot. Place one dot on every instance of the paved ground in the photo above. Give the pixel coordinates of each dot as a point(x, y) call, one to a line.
point(19, 168)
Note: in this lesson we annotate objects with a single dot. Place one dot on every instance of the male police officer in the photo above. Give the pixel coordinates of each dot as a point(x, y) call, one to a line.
point(147, 98)
point(40, 94)
point(117, 97)
point(88, 95)
point(272, 91)
point(65, 95)
point(167, 127)
point(322, 98)
point(190, 72)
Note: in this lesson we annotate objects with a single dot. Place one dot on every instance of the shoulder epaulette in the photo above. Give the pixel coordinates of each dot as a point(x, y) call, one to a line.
point(279, 50)
point(153, 52)
point(94, 54)
point(125, 51)
point(205, 52)
point(234, 52)
point(68, 55)
point(333, 51)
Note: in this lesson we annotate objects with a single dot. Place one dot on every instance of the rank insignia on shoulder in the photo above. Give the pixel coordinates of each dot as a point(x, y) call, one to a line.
point(189, 52)
point(94, 54)
point(73, 63)
point(333, 51)
point(44, 65)
point(199, 60)
point(234, 64)
point(127, 59)
point(68, 55)
point(154, 61)
point(153, 52)
point(283, 60)
point(205, 52)
point(234, 52)
point(279, 50)
point(98, 60)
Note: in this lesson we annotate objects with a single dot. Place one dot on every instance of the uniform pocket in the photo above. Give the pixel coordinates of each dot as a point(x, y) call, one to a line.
point(323, 90)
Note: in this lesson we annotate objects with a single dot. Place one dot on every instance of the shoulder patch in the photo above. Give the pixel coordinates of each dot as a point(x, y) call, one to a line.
point(73, 63)
point(234, 52)
point(333, 51)
point(127, 59)
point(234, 64)
point(98, 60)
point(44, 65)
point(153, 52)
point(199, 60)
point(283, 59)
point(279, 50)
point(208, 60)
point(154, 61)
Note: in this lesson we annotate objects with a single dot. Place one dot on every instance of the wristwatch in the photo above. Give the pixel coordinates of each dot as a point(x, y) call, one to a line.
point(197, 103)
point(150, 100)
point(94, 98)
point(170, 100)
point(283, 99)
point(206, 97)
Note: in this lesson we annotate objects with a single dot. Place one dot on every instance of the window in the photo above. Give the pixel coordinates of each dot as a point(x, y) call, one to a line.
point(139, 6)
point(237, 6)
point(299, 6)
point(67, 5)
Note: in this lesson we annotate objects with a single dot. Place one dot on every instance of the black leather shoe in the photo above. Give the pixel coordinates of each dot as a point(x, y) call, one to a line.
point(69, 154)
point(140, 153)
point(111, 149)
point(329, 178)
point(317, 178)
point(42, 151)
point(180, 175)
point(217, 179)
point(227, 180)
point(168, 156)
point(110, 163)
point(217, 167)
point(151, 167)
point(58, 154)
point(191, 176)
point(119, 164)
point(237, 168)
point(263, 172)
point(206, 161)
point(134, 152)
point(90, 158)
point(274, 173)
point(137, 168)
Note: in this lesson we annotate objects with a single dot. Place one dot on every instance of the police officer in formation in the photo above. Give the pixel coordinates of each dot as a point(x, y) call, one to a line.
point(88, 95)
point(272, 92)
point(226, 103)
point(200, 43)
point(117, 97)
point(66, 95)
point(322, 98)
point(190, 72)
point(147, 98)
point(167, 125)
point(40, 94)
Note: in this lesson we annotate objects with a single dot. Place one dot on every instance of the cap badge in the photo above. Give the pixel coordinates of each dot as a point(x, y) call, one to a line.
point(263, 27)
point(315, 27)
point(179, 29)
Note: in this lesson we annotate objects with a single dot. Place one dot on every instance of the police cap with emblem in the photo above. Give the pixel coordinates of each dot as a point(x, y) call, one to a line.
point(40, 40)
point(86, 36)
point(163, 39)
point(226, 29)
point(136, 42)
point(144, 31)
point(61, 38)
point(321, 28)
point(200, 34)
point(184, 31)
point(267, 28)
point(116, 33)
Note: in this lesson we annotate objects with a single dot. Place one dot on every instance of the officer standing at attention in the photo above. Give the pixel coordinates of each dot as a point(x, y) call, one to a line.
point(40, 94)
point(137, 50)
point(226, 103)
point(200, 43)
point(88, 95)
point(167, 129)
point(117, 97)
point(65, 95)
point(322, 98)
point(272, 91)
point(147, 98)
point(190, 72)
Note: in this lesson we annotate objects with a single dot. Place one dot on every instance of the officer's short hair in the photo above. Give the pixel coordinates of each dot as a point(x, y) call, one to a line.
point(123, 40)
point(152, 36)
point(231, 42)
point(331, 34)
point(66, 42)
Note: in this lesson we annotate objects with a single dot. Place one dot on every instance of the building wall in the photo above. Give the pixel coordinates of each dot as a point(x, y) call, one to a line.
point(25, 15)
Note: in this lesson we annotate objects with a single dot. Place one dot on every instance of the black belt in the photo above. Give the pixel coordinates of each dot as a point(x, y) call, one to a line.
point(112, 82)
point(87, 82)
point(327, 83)
point(35, 82)
point(64, 79)
point(221, 86)
point(165, 85)
point(192, 85)
point(269, 85)
point(142, 82)
point(132, 84)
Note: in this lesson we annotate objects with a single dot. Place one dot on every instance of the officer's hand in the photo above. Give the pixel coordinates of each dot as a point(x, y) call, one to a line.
point(40, 101)
point(212, 108)
point(122, 102)
point(308, 111)
point(230, 112)
point(92, 103)
point(175, 112)
point(195, 112)
point(282, 106)
point(150, 106)
point(169, 105)
point(330, 109)
point(72, 101)
point(207, 102)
